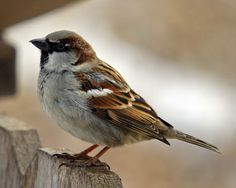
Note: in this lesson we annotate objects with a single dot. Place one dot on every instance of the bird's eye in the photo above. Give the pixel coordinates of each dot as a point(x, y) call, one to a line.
point(60, 46)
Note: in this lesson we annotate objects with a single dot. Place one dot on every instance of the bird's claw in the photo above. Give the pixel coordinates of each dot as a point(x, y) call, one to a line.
point(84, 163)
point(63, 156)
point(79, 160)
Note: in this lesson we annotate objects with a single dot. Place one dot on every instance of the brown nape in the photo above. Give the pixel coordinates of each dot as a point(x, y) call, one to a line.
point(84, 49)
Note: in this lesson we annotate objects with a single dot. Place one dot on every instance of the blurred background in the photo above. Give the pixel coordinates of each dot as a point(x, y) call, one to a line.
point(179, 55)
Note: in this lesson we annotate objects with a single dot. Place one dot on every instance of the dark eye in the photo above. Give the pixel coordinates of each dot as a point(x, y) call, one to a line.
point(60, 46)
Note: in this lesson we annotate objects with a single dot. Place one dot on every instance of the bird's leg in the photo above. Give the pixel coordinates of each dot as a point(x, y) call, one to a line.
point(84, 154)
point(81, 155)
point(91, 161)
point(104, 150)
point(94, 161)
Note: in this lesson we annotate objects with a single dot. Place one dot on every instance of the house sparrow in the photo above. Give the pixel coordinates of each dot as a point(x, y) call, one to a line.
point(91, 100)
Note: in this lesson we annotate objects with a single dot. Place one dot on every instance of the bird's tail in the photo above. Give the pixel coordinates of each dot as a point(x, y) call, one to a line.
point(173, 133)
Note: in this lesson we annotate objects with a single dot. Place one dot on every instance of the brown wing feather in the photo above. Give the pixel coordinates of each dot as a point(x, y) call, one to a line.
point(128, 120)
point(123, 107)
point(109, 102)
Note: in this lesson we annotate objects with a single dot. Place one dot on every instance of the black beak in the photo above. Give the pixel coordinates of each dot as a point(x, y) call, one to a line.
point(40, 44)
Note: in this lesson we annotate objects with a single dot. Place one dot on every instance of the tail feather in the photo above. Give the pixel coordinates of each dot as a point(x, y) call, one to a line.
point(192, 140)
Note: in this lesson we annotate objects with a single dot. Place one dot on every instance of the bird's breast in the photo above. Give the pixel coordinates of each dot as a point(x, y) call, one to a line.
point(59, 94)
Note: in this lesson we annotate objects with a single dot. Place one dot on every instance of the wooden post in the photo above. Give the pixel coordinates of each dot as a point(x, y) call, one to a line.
point(7, 70)
point(23, 164)
point(18, 146)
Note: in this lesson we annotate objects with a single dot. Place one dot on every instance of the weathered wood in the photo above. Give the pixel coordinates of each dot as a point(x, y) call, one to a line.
point(18, 146)
point(49, 174)
point(23, 164)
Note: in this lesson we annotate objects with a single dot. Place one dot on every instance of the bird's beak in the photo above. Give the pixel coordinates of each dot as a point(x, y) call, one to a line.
point(40, 44)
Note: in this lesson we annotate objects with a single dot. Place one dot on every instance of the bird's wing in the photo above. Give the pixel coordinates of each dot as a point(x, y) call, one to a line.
point(111, 98)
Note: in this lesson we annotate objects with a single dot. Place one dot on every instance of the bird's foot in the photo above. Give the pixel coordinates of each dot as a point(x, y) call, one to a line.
point(80, 160)
point(92, 162)
point(68, 156)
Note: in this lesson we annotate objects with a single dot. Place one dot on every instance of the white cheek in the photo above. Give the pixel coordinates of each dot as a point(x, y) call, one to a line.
point(59, 61)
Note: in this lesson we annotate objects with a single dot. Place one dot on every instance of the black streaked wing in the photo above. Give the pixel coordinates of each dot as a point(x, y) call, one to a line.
point(123, 107)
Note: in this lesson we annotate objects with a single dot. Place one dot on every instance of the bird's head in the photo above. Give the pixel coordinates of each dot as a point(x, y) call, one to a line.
point(62, 50)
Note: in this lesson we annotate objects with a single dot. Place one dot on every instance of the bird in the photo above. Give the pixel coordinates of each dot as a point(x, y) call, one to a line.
point(92, 101)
